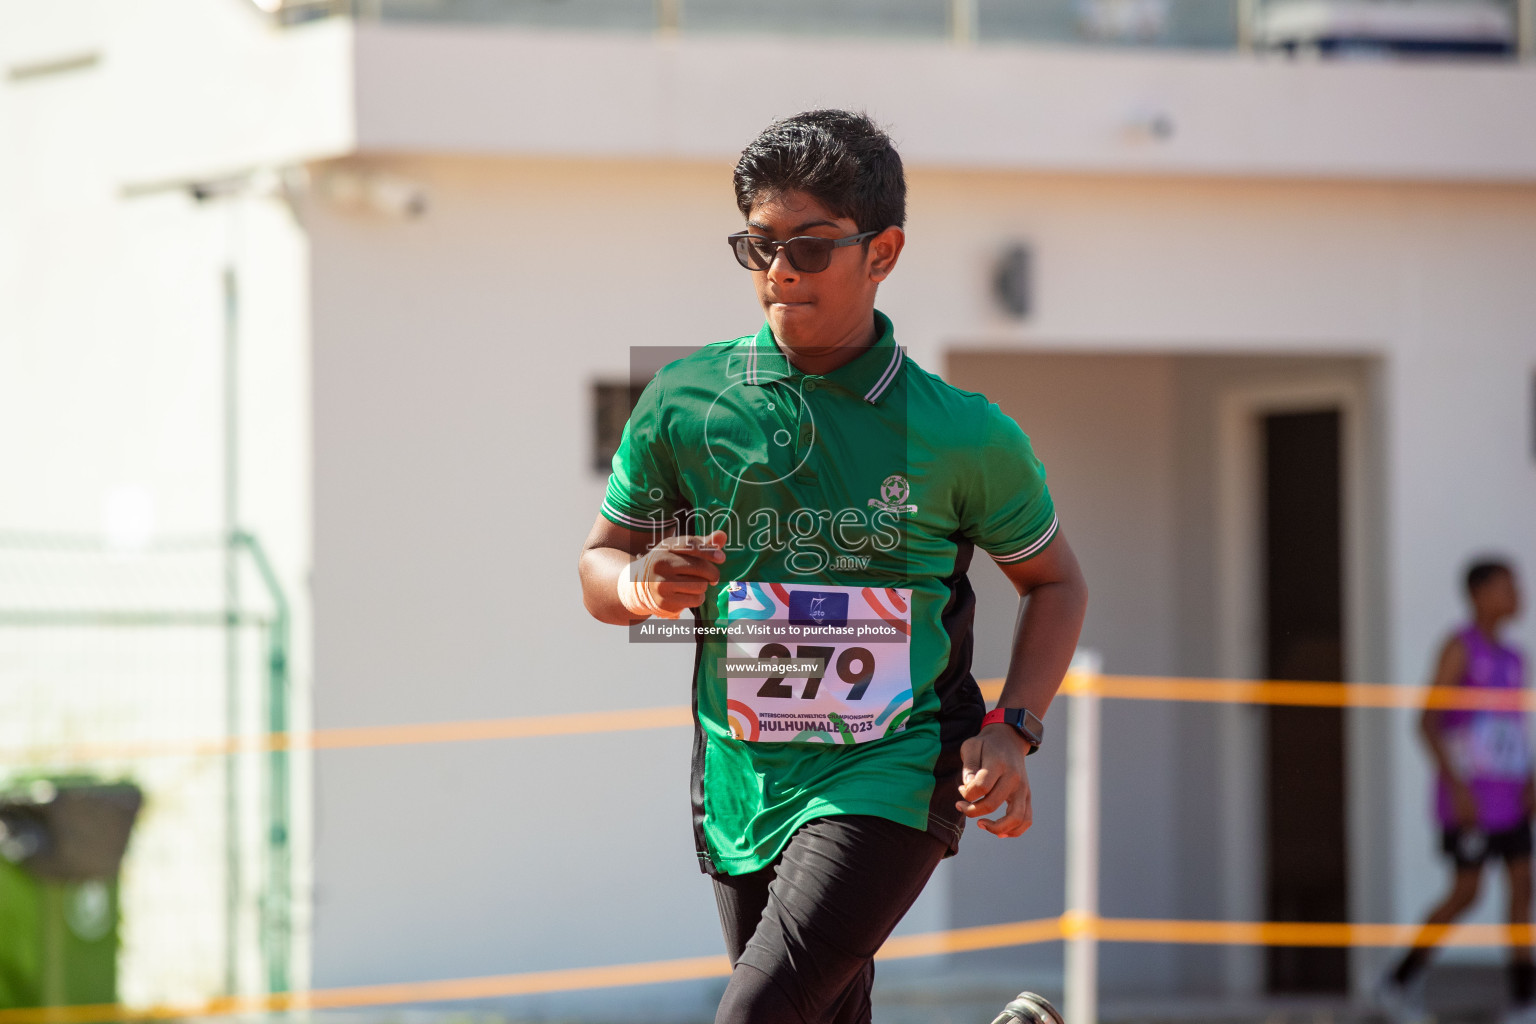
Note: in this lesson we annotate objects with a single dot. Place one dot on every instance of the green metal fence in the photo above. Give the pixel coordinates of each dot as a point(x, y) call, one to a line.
point(124, 664)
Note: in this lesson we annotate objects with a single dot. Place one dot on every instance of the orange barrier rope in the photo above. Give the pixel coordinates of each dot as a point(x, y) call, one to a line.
point(1302, 933)
point(1228, 691)
point(1293, 693)
point(1019, 933)
point(366, 736)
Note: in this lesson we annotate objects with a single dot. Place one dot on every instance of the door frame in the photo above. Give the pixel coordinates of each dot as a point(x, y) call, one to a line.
point(1240, 638)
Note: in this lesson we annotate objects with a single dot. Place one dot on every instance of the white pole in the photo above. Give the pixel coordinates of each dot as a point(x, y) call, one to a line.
point(669, 16)
point(1247, 24)
point(1082, 953)
point(963, 16)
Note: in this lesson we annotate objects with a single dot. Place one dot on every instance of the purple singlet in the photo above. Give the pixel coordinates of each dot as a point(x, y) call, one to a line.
point(1488, 749)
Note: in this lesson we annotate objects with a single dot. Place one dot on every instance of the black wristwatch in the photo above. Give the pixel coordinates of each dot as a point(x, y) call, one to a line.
point(1022, 719)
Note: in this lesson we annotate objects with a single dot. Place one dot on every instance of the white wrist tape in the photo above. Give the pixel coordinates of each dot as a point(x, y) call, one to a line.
point(638, 588)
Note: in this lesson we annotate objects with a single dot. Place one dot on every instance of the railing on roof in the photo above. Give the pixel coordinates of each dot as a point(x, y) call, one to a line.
point(1372, 28)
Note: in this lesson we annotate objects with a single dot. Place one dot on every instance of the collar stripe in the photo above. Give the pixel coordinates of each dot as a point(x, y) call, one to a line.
point(874, 393)
point(1025, 552)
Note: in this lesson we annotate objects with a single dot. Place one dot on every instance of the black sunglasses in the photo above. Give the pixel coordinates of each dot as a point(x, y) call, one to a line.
point(806, 253)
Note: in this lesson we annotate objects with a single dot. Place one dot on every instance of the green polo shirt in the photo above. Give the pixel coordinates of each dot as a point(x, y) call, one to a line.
point(853, 501)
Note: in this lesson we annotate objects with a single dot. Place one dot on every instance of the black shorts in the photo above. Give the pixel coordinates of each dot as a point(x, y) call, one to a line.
point(803, 932)
point(1469, 848)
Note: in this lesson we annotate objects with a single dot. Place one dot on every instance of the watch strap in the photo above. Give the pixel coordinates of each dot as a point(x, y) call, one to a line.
point(1025, 721)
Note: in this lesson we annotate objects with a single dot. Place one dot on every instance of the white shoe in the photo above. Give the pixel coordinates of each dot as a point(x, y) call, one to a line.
point(1404, 1004)
point(1029, 1008)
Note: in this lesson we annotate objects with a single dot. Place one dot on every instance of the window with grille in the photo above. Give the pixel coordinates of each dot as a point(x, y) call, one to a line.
point(612, 402)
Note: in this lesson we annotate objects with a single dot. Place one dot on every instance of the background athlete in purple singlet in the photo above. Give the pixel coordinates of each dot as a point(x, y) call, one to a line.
point(1485, 794)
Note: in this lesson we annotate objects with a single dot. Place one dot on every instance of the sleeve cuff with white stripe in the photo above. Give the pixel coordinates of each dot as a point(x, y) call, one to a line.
point(655, 521)
point(1029, 550)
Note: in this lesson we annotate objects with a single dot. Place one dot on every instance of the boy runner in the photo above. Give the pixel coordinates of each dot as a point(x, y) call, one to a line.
point(1485, 793)
point(816, 498)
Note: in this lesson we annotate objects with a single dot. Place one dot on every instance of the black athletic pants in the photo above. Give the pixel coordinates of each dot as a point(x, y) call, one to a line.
point(802, 933)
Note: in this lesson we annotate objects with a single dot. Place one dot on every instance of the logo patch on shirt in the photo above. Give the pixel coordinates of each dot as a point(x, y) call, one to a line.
point(817, 608)
point(893, 495)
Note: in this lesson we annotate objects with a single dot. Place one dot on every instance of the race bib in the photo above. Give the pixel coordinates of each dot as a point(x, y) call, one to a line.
point(817, 664)
point(1492, 746)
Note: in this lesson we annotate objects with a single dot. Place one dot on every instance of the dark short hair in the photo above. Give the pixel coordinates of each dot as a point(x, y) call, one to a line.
point(1483, 570)
point(841, 159)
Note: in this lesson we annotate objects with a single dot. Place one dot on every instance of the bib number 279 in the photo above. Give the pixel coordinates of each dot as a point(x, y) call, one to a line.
point(854, 666)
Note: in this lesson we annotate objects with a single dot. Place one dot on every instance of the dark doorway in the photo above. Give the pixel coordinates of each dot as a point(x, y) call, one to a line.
point(1306, 873)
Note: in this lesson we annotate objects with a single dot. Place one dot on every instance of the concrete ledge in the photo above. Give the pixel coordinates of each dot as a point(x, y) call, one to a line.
point(505, 91)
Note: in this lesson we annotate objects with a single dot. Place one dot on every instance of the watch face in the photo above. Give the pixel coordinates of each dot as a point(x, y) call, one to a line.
point(1027, 723)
